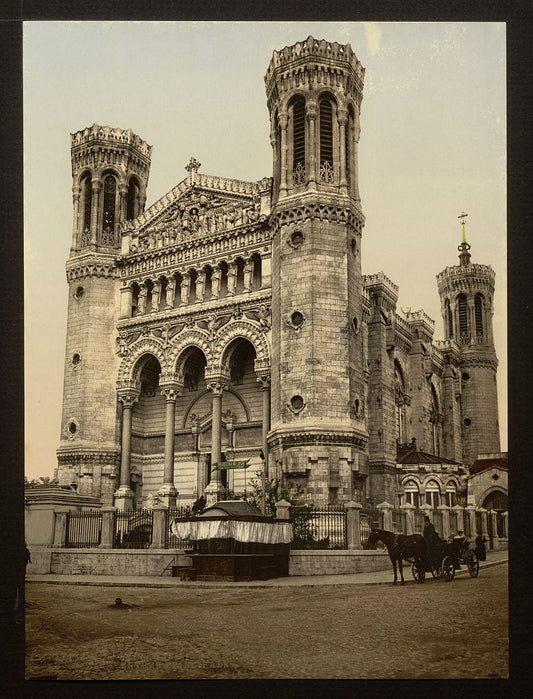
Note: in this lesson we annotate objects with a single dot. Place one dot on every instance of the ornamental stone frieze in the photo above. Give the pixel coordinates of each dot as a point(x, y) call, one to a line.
point(348, 215)
point(315, 438)
point(200, 250)
point(77, 272)
point(477, 363)
point(99, 457)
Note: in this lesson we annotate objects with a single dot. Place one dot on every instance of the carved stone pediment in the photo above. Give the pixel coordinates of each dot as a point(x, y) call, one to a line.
point(196, 212)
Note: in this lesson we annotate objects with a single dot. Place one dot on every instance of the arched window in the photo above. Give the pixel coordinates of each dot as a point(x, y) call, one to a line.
point(108, 222)
point(298, 140)
point(433, 494)
point(326, 140)
point(277, 154)
point(132, 209)
point(478, 308)
point(463, 318)
point(399, 393)
point(451, 494)
point(412, 493)
point(448, 319)
point(87, 194)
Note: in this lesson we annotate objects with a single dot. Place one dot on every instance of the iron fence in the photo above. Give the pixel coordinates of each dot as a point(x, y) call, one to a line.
point(419, 521)
point(84, 529)
point(479, 525)
point(133, 529)
point(399, 523)
point(453, 522)
point(172, 541)
point(318, 527)
point(369, 517)
point(467, 527)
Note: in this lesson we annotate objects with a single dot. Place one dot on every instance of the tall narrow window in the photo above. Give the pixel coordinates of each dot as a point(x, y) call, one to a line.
point(133, 199)
point(478, 306)
point(87, 190)
point(108, 227)
point(298, 140)
point(449, 319)
point(463, 318)
point(350, 128)
point(326, 141)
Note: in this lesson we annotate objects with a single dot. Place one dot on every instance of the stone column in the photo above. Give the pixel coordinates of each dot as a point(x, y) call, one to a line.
point(445, 519)
point(126, 300)
point(60, 527)
point(95, 209)
point(342, 118)
point(409, 517)
point(310, 114)
point(123, 201)
point(265, 426)
point(159, 527)
point(107, 538)
point(283, 122)
point(484, 523)
point(76, 192)
point(283, 510)
point(353, 528)
point(505, 518)
point(215, 489)
point(460, 518)
point(124, 495)
point(387, 509)
point(168, 493)
point(494, 522)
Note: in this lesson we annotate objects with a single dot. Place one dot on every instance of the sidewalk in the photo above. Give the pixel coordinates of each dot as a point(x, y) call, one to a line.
point(382, 577)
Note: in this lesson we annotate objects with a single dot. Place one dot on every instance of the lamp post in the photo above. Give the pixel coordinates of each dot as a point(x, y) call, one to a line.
point(263, 482)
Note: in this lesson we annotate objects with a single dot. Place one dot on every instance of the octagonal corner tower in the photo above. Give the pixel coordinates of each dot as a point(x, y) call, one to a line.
point(318, 436)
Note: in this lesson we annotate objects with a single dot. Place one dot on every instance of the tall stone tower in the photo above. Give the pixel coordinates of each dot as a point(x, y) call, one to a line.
point(466, 293)
point(318, 436)
point(110, 170)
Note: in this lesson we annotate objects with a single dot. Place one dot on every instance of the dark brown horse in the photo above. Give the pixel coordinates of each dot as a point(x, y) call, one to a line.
point(400, 547)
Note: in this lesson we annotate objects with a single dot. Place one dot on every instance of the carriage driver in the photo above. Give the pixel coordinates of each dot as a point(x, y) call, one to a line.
point(458, 543)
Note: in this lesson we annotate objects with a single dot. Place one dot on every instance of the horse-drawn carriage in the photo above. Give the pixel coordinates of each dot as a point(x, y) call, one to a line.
point(441, 559)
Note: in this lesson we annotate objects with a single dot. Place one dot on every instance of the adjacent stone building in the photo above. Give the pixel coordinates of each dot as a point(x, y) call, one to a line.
point(231, 321)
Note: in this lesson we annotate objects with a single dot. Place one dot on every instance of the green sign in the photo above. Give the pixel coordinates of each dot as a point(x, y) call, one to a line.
point(230, 464)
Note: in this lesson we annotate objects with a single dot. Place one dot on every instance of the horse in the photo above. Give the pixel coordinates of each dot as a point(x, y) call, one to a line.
point(399, 547)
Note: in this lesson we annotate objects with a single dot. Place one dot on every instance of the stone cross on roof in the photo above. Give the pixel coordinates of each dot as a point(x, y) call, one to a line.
point(193, 166)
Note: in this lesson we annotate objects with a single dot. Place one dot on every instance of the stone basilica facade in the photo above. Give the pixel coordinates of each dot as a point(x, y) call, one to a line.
point(231, 320)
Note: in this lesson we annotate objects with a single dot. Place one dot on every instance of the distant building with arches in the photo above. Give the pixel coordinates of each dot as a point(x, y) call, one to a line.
point(231, 319)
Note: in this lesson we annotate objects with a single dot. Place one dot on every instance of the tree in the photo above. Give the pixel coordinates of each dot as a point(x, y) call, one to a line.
point(274, 492)
point(39, 482)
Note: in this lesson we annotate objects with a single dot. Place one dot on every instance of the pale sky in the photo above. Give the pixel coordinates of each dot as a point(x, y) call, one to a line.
point(433, 144)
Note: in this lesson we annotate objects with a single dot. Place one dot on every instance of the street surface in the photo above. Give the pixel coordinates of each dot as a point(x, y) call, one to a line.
point(436, 630)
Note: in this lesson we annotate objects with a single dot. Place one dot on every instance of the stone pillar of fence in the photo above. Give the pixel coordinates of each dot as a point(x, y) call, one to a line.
point(60, 526)
point(409, 511)
point(159, 527)
point(484, 522)
point(386, 508)
point(494, 522)
point(107, 538)
point(460, 518)
point(282, 509)
point(353, 528)
point(445, 519)
point(505, 523)
point(470, 513)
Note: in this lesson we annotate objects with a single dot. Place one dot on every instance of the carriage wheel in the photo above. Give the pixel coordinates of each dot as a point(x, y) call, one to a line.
point(417, 569)
point(448, 569)
point(473, 565)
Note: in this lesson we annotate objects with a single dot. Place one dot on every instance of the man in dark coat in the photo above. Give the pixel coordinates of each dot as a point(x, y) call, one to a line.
point(431, 537)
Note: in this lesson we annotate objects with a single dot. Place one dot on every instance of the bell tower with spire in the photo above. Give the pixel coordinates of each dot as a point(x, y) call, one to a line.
point(318, 436)
point(467, 296)
point(110, 169)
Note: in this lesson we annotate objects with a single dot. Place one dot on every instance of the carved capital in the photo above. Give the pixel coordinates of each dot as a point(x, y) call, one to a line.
point(264, 380)
point(171, 392)
point(128, 398)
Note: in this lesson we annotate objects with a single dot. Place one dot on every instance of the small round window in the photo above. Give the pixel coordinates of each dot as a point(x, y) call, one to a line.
point(297, 319)
point(467, 422)
point(297, 403)
point(465, 376)
point(72, 427)
point(76, 359)
point(297, 238)
point(79, 292)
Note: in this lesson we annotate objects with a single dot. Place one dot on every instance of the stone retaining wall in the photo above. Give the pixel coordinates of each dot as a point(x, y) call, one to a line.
point(337, 562)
